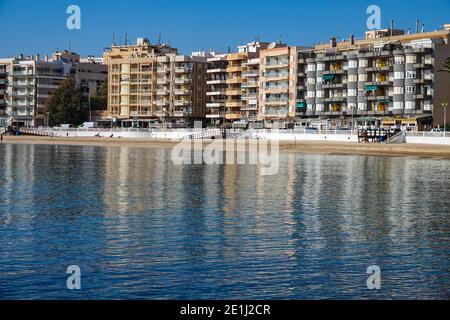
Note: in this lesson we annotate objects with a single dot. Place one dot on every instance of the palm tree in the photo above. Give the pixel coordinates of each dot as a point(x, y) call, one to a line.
point(446, 66)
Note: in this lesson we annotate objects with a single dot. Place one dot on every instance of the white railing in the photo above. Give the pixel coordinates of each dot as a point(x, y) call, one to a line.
point(427, 134)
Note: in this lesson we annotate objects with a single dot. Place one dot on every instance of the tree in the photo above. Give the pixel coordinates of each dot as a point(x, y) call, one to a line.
point(446, 66)
point(66, 105)
point(100, 100)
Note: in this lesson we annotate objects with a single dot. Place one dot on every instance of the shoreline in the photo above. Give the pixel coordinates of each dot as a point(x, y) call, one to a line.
point(311, 147)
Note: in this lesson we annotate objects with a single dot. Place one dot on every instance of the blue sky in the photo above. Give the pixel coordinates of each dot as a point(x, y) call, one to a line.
point(33, 26)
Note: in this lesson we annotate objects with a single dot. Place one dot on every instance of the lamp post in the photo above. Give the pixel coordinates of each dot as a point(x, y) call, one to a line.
point(445, 105)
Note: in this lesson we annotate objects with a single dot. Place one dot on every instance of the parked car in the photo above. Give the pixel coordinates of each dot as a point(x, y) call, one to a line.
point(436, 130)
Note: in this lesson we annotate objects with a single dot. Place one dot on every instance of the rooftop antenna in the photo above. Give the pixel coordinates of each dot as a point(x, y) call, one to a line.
point(126, 38)
point(159, 39)
point(417, 25)
point(423, 27)
point(392, 27)
point(280, 39)
point(69, 45)
point(114, 40)
point(229, 50)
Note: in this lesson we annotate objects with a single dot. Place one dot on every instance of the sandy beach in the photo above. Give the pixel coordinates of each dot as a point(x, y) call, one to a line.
point(338, 148)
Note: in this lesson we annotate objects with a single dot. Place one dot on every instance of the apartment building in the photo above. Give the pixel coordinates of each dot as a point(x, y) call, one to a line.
point(89, 73)
point(216, 89)
point(282, 82)
point(250, 89)
point(26, 83)
point(3, 88)
point(232, 84)
point(181, 87)
point(132, 80)
point(381, 76)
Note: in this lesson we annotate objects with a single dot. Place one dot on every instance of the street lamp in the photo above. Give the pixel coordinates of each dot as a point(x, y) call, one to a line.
point(445, 105)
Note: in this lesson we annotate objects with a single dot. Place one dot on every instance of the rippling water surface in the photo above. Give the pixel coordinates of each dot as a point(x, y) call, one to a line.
point(140, 227)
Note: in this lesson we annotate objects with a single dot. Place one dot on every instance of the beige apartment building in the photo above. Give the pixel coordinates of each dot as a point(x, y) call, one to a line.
point(181, 87)
point(132, 80)
point(278, 84)
point(232, 84)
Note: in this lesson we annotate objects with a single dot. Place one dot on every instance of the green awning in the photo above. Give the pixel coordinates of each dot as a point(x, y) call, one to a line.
point(328, 77)
point(385, 101)
point(371, 88)
point(301, 105)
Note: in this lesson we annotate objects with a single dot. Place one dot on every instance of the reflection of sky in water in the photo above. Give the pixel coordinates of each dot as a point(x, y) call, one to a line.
point(140, 227)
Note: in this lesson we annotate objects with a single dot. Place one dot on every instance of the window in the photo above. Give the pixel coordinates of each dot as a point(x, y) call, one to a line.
point(319, 79)
point(410, 89)
point(311, 81)
point(399, 105)
point(353, 64)
point(411, 59)
point(361, 92)
point(411, 74)
point(399, 60)
point(410, 105)
point(311, 94)
point(320, 66)
point(362, 106)
point(311, 67)
point(352, 92)
point(352, 78)
point(319, 94)
point(319, 107)
point(399, 90)
point(399, 75)
point(362, 77)
point(310, 107)
point(363, 63)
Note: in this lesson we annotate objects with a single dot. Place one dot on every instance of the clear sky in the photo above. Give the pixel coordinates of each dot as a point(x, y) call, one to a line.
point(32, 26)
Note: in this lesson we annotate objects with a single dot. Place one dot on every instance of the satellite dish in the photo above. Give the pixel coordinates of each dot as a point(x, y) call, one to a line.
point(272, 45)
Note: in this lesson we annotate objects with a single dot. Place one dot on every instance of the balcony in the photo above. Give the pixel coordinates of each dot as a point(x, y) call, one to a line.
point(233, 116)
point(248, 74)
point(235, 69)
point(182, 80)
point(216, 104)
point(237, 92)
point(181, 114)
point(216, 81)
point(234, 104)
point(218, 70)
point(276, 76)
point(162, 114)
point(163, 70)
point(162, 92)
point(216, 93)
point(183, 70)
point(162, 103)
point(182, 92)
point(182, 103)
point(250, 84)
point(250, 96)
point(234, 80)
point(162, 81)
point(276, 102)
point(277, 89)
